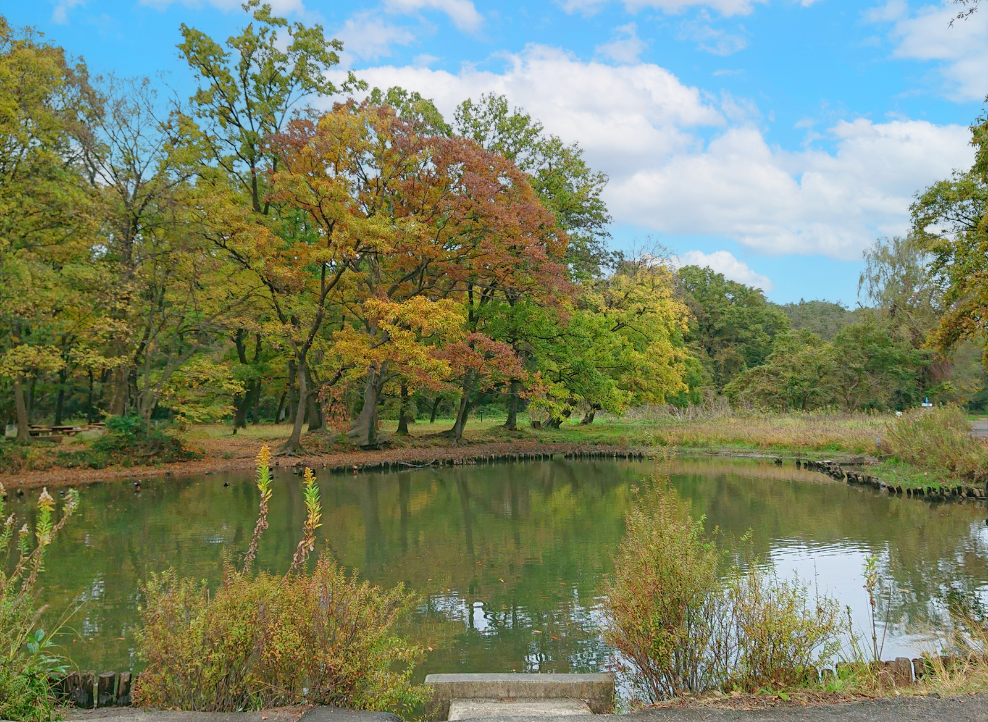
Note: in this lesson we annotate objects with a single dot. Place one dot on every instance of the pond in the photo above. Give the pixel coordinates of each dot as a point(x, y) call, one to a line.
point(508, 558)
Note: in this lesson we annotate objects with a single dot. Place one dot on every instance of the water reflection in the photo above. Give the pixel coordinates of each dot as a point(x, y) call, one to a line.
point(508, 559)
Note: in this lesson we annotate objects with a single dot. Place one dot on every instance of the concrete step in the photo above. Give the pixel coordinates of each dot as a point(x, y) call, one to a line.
point(464, 709)
point(594, 691)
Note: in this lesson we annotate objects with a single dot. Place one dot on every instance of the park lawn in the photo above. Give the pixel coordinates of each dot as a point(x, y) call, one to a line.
point(807, 434)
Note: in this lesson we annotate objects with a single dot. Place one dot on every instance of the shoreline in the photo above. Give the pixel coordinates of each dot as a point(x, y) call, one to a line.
point(843, 467)
point(396, 459)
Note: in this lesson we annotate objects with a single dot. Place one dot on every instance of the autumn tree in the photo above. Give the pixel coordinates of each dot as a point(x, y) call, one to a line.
point(249, 88)
point(46, 217)
point(424, 224)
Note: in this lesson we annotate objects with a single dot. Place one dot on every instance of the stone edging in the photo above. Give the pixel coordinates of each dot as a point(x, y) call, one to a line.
point(836, 471)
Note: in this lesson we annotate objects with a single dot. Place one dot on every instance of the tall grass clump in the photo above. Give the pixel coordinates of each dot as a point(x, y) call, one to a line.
point(263, 640)
point(940, 440)
point(27, 655)
point(684, 627)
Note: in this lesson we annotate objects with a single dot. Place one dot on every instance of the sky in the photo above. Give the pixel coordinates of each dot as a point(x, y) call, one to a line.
point(772, 140)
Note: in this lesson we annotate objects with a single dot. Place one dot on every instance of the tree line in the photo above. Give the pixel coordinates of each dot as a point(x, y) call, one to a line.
point(272, 248)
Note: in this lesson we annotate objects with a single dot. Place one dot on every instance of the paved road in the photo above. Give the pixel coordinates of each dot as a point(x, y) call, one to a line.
point(979, 429)
point(134, 714)
point(902, 709)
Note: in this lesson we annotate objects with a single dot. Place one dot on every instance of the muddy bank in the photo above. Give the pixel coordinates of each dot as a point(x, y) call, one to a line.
point(340, 462)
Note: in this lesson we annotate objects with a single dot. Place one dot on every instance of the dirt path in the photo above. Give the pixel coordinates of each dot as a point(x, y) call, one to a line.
point(979, 429)
point(355, 460)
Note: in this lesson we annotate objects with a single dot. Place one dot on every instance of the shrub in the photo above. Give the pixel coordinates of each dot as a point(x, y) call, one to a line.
point(27, 660)
point(127, 439)
point(683, 628)
point(262, 640)
point(780, 633)
point(938, 439)
point(663, 601)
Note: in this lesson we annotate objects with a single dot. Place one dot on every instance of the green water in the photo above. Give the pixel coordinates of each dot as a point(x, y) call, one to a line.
point(508, 559)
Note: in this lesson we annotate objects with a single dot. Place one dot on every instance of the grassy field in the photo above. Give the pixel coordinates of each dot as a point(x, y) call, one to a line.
point(783, 433)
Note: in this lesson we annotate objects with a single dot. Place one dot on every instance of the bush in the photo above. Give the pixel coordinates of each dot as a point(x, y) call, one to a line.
point(128, 440)
point(664, 599)
point(27, 660)
point(683, 628)
point(262, 640)
point(940, 440)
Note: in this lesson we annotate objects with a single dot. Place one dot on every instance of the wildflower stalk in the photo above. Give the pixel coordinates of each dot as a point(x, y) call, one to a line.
point(264, 486)
point(313, 514)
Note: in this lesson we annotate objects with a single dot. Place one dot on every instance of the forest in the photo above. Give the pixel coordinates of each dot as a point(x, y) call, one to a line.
point(279, 247)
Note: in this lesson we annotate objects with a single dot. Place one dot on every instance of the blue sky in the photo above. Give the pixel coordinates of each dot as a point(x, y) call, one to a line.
point(773, 140)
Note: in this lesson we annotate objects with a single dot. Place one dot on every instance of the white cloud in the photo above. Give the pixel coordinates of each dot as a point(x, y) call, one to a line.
point(809, 202)
point(280, 7)
point(887, 13)
point(724, 262)
point(670, 7)
point(708, 38)
point(961, 49)
point(60, 15)
point(462, 13)
point(626, 45)
point(644, 128)
point(369, 36)
point(623, 116)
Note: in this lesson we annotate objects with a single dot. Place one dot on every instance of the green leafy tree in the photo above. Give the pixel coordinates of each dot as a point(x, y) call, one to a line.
point(732, 326)
point(951, 219)
point(46, 214)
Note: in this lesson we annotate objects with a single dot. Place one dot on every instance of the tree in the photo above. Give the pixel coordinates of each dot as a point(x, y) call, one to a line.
point(951, 219)
point(247, 92)
point(799, 374)
point(621, 344)
point(823, 318)
point(45, 211)
point(732, 326)
point(558, 172)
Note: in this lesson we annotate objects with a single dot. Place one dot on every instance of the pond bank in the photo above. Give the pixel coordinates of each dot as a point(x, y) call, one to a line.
point(845, 467)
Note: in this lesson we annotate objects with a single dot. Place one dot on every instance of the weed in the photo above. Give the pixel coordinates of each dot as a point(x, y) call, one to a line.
point(262, 640)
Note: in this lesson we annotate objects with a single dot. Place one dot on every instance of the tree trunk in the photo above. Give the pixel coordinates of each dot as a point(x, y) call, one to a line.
point(313, 410)
point(120, 383)
point(591, 412)
point(257, 404)
point(23, 423)
point(292, 385)
point(281, 407)
point(60, 401)
point(463, 410)
point(435, 409)
point(90, 411)
point(403, 412)
point(364, 428)
point(241, 403)
point(511, 423)
point(293, 445)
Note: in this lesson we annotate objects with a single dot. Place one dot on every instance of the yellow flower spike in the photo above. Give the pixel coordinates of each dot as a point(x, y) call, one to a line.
point(45, 501)
point(264, 457)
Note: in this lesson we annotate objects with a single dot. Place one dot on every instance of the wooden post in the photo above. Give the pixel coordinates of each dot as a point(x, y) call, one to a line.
point(106, 691)
point(123, 689)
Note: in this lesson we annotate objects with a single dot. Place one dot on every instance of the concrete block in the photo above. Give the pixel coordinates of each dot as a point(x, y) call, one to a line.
point(463, 709)
point(597, 690)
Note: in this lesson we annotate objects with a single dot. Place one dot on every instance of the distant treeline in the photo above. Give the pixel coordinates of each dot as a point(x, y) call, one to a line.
point(243, 256)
